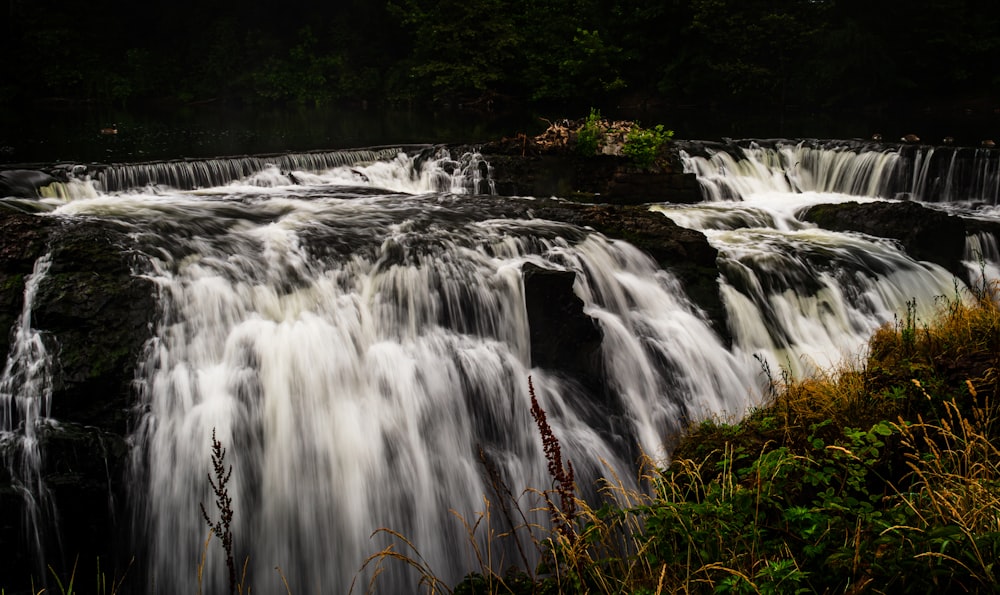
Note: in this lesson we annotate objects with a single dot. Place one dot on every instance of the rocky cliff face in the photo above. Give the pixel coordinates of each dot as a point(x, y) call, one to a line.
point(93, 316)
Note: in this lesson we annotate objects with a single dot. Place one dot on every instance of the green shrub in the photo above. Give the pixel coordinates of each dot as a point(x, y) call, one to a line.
point(590, 134)
point(643, 145)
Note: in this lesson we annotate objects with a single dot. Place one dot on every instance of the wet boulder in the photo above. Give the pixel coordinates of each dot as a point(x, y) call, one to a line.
point(525, 167)
point(563, 338)
point(684, 252)
point(925, 234)
point(23, 183)
point(97, 315)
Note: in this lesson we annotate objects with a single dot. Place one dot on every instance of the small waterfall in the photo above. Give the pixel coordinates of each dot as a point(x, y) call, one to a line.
point(737, 171)
point(982, 257)
point(353, 352)
point(937, 174)
point(962, 175)
point(802, 298)
point(25, 401)
point(432, 170)
point(427, 169)
point(207, 173)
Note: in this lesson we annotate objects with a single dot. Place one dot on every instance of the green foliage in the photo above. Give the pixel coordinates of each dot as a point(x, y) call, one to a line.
point(307, 75)
point(460, 49)
point(588, 139)
point(802, 52)
point(585, 66)
point(643, 145)
point(828, 488)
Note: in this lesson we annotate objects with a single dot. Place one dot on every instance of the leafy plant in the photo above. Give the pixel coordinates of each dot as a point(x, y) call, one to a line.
point(588, 138)
point(643, 145)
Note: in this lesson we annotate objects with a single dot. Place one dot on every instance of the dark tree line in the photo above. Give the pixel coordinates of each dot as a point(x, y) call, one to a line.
point(825, 53)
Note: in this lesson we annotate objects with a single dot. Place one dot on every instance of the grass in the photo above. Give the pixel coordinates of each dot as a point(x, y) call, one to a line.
point(883, 474)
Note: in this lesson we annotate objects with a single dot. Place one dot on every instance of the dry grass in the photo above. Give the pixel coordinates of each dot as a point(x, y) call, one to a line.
point(883, 474)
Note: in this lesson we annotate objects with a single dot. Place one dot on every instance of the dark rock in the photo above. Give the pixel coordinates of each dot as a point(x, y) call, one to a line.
point(563, 337)
point(641, 187)
point(600, 178)
point(96, 316)
point(925, 234)
point(684, 252)
point(23, 183)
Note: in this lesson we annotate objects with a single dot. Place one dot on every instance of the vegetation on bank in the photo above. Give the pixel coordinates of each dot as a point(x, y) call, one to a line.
point(481, 53)
point(883, 474)
point(595, 135)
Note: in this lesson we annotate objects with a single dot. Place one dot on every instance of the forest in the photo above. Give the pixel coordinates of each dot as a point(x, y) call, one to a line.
point(487, 54)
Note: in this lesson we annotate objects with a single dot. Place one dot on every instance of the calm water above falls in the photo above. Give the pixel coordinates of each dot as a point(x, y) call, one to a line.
point(354, 333)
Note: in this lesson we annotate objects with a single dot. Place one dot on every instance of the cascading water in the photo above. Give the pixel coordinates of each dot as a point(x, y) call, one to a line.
point(800, 297)
point(940, 174)
point(25, 402)
point(982, 257)
point(354, 347)
point(354, 332)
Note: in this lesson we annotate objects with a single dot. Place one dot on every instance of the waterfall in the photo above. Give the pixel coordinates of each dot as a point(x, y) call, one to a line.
point(431, 168)
point(353, 347)
point(805, 299)
point(735, 170)
point(801, 298)
point(354, 332)
point(25, 402)
point(982, 257)
point(201, 173)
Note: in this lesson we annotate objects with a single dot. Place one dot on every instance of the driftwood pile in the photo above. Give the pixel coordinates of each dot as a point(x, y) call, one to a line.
point(561, 136)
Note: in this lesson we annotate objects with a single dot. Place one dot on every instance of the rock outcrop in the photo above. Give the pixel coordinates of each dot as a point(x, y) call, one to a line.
point(684, 252)
point(563, 337)
point(94, 317)
point(548, 165)
point(925, 234)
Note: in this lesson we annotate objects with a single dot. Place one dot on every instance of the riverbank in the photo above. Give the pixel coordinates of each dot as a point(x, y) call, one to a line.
point(882, 474)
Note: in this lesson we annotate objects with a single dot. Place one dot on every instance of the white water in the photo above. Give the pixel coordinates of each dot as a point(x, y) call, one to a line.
point(982, 258)
point(934, 174)
point(802, 298)
point(354, 334)
point(353, 348)
point(788, 168)
point(25, 402)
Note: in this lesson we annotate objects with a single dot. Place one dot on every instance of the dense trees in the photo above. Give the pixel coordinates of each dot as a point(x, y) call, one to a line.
point(765, 52)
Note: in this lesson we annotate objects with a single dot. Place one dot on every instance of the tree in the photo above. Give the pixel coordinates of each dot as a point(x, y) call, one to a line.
point(567, 53)
point(462, 48)
point(758, 51)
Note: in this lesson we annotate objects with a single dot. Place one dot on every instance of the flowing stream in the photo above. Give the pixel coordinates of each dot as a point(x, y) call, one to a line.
point(355, 337)
point(354, 331)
